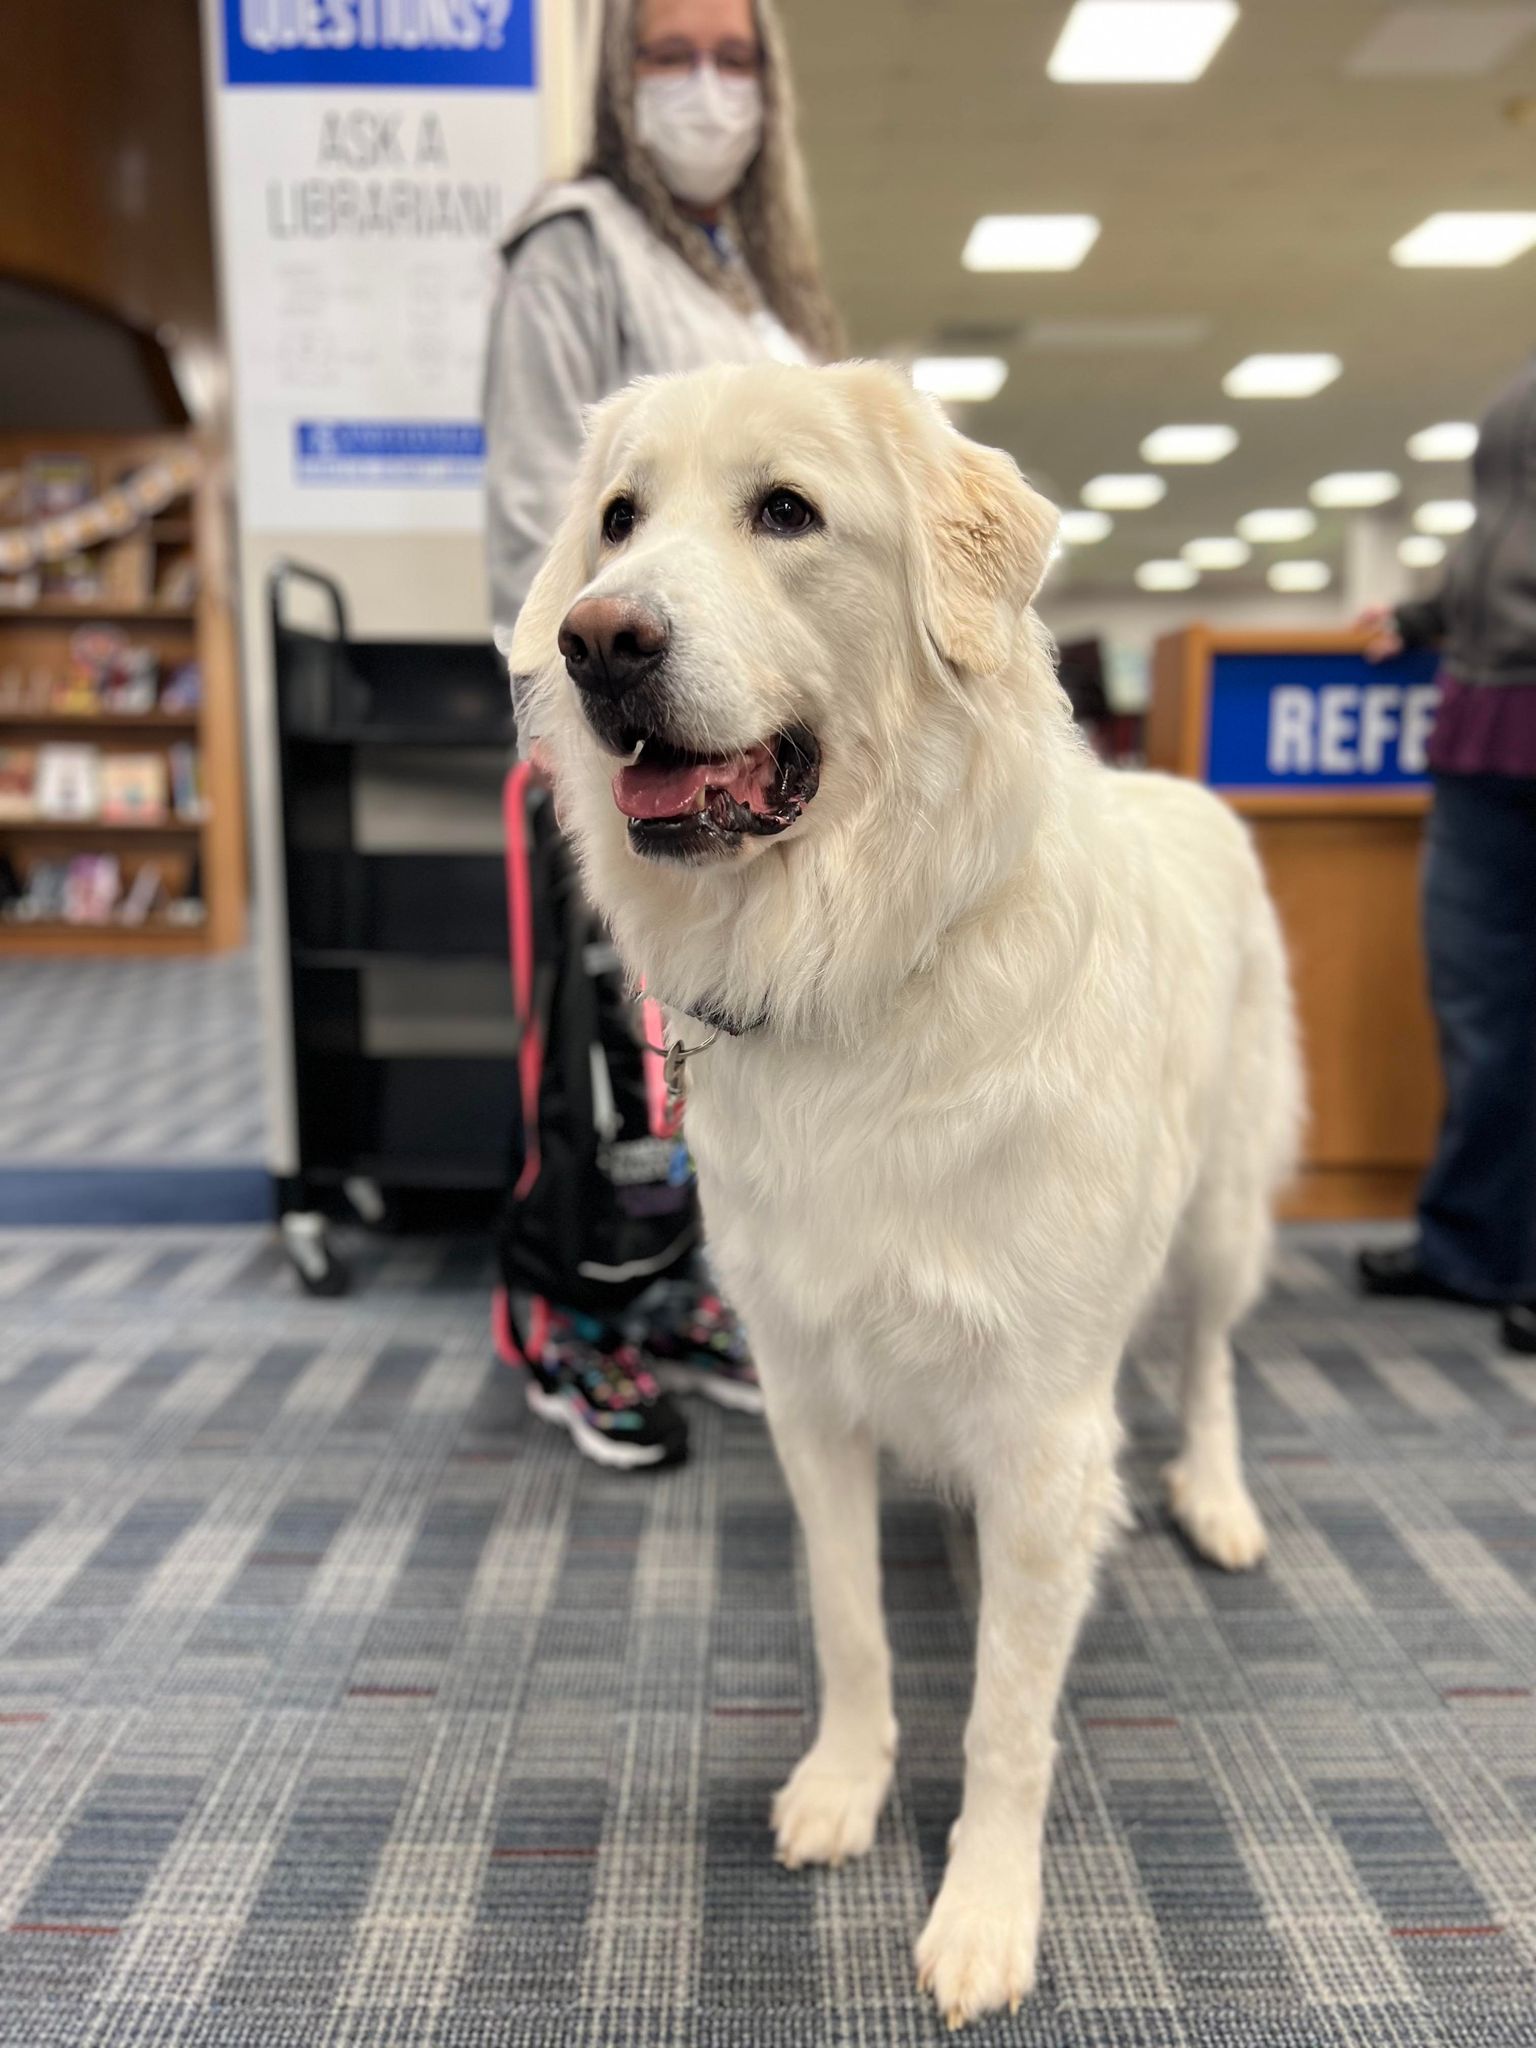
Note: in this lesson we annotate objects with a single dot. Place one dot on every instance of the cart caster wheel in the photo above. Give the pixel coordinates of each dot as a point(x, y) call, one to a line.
point(367, 1198)
point(319, 1270)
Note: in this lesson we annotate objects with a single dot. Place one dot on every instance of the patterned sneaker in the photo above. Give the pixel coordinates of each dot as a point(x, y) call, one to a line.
point(600, 1389)
point(699, 1347)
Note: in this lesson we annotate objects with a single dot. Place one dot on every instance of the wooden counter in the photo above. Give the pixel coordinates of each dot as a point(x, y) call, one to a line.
point(1336, 800)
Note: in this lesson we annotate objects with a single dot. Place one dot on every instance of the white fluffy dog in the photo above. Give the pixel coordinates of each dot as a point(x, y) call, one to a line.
point(999, 1037)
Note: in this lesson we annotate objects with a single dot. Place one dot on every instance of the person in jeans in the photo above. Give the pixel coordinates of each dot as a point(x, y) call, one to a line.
point(686, 241)
point(1476, 1236)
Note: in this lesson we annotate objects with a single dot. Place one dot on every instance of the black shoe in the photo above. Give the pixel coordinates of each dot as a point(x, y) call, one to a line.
point(602, 1391)
point(1397, 1270)
point(1517, 1326)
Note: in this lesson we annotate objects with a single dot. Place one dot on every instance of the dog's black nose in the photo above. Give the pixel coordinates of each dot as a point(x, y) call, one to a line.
point(611, 643)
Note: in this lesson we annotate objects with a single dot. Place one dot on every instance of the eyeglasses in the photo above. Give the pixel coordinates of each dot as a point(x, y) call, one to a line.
point(672, 58)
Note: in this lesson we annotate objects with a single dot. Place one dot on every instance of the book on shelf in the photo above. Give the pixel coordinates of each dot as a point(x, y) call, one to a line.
point(18, 782)
point(107, 672)
point(183, 689)
point(187, 782)
point(92, 886)
point(42, 900)
point(133, 789)
point(68, 781)
point(146, 895)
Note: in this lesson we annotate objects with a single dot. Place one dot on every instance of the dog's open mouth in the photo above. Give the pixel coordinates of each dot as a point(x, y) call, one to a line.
point(687, 806)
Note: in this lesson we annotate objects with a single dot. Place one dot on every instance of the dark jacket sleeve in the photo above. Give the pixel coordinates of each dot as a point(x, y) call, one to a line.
point(1422, 624)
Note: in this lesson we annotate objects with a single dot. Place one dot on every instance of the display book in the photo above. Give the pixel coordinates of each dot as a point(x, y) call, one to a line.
point(106, 676)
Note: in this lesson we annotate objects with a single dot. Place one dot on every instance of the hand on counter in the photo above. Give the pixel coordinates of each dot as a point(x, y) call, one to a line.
point(1384, 642)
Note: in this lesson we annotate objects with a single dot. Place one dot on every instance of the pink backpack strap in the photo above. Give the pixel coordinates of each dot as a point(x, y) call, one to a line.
point(530, 1048)
point(663, 1112)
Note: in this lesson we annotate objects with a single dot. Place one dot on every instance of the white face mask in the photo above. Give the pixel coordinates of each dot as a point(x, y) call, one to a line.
point(701, 131)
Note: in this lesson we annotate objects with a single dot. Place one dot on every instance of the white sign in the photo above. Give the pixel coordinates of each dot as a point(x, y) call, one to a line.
point(372, 154)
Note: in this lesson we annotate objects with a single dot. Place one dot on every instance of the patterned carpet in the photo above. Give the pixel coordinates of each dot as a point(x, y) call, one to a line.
point(340, 1704)
point(144, 1061)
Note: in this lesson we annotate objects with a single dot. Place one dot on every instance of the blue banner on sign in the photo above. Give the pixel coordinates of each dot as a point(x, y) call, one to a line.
point(453, 43)
point(389, 452)
point(1320, 721)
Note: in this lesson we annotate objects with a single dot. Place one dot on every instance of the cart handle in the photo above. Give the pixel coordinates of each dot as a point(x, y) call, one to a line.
point(283, 572)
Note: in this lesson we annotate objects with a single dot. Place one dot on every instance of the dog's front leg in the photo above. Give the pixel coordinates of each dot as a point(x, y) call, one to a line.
point(828, 1809)
point(1041, 1525)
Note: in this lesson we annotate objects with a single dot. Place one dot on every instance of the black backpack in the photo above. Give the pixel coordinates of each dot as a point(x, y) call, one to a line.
point(603, 1201)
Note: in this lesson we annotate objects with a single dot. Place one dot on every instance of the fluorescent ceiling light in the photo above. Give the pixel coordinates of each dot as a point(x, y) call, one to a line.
point(1466, 241)
point(1030, 241)
point(1450, 441)
point(960, 380)
point(1421, 551)
point(1355, 489)
point(1445, 515)
point(1281, 376)
point(1298, 576)
point(1275, 524)
point(1140, 42)
point(1167, 576)
point(1221, 551)
point(1123, 493)
point(1440, 42)
point(1084, 529)
point(1188, 444)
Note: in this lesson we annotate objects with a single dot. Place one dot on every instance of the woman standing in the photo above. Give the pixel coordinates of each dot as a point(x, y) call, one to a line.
point(686, 241)
point(1476, 1237)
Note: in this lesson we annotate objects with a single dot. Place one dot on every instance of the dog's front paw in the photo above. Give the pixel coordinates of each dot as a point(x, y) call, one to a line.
point(1216, 1514)
point(828, 1809)
point(977, 1952)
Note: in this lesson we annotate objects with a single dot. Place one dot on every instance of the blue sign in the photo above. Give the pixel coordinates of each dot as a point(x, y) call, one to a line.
point(454, 43)
point(1320, 721)
point(389, 452)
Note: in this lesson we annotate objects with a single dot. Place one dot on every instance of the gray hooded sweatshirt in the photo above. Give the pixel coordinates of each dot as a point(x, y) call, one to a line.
point(589, 299)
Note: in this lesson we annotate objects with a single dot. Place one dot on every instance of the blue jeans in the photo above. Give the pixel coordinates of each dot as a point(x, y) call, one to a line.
point(1477, 1207)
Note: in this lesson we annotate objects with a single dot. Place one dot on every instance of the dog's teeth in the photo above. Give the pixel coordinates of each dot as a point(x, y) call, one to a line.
point(638, 751)
point(703, 801)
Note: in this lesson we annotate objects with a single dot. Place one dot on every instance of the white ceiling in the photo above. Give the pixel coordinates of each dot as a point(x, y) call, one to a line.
point(1252, 210)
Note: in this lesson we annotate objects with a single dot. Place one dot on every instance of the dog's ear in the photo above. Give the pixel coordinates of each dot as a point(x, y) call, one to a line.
point(983, 538)
point(987, 542)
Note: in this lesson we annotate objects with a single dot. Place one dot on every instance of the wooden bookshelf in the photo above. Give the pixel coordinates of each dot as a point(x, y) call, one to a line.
point(101, 610)
point(49, 939)
point(35, 638)
point(120, 724)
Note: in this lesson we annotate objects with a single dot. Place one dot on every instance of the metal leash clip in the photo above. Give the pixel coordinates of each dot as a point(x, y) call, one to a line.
point(675, 1059)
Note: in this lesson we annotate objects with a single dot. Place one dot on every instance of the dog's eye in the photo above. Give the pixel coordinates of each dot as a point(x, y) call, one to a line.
point(619, 520)
point(786, 512)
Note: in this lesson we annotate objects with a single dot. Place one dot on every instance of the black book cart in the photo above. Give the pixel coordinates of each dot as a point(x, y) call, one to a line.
point(398, 1076)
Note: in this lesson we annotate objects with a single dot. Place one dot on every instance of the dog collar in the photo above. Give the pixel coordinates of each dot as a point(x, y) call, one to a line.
point(676, 1056)
point(722, 1020)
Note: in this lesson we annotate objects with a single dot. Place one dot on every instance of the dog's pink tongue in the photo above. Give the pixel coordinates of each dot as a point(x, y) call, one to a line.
point(644, 790)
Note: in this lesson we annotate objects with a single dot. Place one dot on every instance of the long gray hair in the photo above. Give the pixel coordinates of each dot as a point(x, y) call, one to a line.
point(769, 213)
